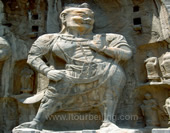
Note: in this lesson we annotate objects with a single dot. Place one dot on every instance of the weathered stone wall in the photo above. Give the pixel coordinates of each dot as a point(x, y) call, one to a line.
point(144, 24)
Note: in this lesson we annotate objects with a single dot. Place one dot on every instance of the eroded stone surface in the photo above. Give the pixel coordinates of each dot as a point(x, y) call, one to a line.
point(88, 70)
point(143, 23)
point(160, 130)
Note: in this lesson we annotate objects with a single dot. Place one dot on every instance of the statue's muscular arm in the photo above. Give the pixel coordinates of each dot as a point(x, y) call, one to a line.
point(40, 48)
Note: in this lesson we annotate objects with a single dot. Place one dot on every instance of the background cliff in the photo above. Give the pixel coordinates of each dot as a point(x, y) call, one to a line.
point(144, 23)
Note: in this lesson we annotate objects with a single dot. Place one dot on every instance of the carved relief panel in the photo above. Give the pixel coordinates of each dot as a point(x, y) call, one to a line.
point(24, 80)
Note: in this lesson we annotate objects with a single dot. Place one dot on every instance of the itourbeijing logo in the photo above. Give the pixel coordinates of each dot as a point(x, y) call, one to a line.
point(90, 117)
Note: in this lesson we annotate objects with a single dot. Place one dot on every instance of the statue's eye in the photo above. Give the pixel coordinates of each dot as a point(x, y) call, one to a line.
point(80, 14)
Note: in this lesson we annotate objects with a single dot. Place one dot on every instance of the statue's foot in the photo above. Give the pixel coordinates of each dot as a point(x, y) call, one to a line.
point(109, 127)
point(33, 124)
point(106, 124)
point(168, 122)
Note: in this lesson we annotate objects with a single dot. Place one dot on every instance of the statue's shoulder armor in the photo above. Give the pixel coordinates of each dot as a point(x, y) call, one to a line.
point(44, 42)
point(112, 39)
point(46, 39)
point(111, 36)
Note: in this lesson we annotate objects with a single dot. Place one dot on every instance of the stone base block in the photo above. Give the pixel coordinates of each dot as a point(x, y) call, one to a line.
point(161, 130)
point(133, 131)
point(26, 130)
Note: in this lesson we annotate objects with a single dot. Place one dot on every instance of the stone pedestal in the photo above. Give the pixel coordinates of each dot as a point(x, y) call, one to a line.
point(141, 130)
point(27, 130)
point(161, 130)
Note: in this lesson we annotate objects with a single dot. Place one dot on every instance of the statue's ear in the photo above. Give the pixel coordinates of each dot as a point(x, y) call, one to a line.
point(63, 17)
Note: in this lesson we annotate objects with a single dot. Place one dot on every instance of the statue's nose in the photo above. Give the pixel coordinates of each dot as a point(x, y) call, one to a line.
point(87, 19)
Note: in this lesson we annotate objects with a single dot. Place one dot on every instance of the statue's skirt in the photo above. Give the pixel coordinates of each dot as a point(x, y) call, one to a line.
point(86, 89)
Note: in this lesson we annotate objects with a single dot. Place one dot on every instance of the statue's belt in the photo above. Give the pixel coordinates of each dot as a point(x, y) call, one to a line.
point(87, 72)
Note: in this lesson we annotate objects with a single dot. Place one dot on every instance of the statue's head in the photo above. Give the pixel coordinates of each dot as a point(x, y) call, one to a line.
point(167, 102)
point(148, 96)
point(77, 18)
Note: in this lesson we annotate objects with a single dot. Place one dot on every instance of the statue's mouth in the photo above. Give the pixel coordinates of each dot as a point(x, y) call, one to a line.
point(81, 20)
point(86, 22)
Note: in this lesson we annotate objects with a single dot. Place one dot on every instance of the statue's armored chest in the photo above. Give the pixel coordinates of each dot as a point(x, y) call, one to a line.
point(71, 47)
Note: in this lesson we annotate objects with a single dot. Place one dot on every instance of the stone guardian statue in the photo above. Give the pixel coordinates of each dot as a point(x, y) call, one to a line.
point(92, 68)
point(150, 111)
point(165, 65)
point(151, 64)
point(167, 108)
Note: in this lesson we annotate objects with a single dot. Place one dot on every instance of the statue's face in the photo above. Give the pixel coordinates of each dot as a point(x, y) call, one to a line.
point(147, 96)
point(81, 19)
point(167, 103)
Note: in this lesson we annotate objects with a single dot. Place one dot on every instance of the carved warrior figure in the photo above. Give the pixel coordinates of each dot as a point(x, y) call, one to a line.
point(151, 64)
point(92, 76)
point(165, 65)
point(27, 80)
point(167, 108)
point(5, 50)
point(5, 53)
point(1, 7)
point(150, 111)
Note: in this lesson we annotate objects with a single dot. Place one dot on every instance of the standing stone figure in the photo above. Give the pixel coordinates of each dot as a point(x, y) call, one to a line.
point(27, 80)
point(151, 64)
point(167, 108)
point(165, 65)
point(2, 14)
point(5, 50)
point(5, 53)
point(92, 72)
point(150, 111)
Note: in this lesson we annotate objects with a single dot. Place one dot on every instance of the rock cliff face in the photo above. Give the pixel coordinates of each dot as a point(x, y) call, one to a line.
point(145, 25)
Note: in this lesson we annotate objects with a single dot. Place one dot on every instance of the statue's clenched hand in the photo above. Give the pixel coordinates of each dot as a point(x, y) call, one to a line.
point(96, 46)
point(55, 75)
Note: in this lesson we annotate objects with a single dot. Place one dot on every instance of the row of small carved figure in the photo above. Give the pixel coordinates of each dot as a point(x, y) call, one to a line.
point(151, 65)
point(150, 109)
point(167, 107)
